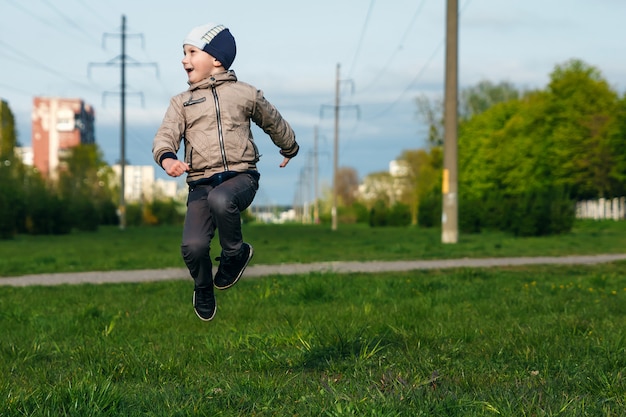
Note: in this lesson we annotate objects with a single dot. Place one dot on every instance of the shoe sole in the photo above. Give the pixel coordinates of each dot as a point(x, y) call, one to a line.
point(198, 314)
point(240, 272)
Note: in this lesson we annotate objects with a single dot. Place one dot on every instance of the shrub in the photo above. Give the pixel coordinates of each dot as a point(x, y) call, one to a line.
point(10, 208)
point(542, 212)
point(429, 214)
point(536, 213)
point(167, 211)
point(134, 215)
point(378, 214)
point(84, 215)
point(49, 215)
point(399, 215)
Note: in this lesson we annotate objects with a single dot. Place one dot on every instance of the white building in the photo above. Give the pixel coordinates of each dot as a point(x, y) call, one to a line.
point(399, 168)
point(25, 154)
point(140, 184)
point(385, 186)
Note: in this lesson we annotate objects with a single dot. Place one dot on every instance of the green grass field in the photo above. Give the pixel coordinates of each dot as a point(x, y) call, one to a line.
point(159, 247)
point(516, 341)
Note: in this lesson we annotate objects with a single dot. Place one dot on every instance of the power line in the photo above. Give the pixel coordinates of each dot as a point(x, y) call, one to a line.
point(397, 49)
point(58, 28)
point(419, 73)
point(28, 12)
point(86, 5)
point(365, 24)
point(69, 21)
point(42, 66)
point(412, 83)
point(12, 87)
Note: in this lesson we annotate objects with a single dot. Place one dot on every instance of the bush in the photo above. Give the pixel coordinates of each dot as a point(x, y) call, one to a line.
point(356, 213)
point(49, 215)
point(429, 214)
point(471, 219)
point(537, 213)
point(134, 215)
point(399, 215)
point(167, 212)
point(542, 212)
point(10, 209)
point(84, 215)
point(107, 212)
point(378, 214)
point(361, 212)
point(158, 212)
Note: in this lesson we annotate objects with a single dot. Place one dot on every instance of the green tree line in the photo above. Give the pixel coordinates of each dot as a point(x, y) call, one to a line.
point(524, 157)
point(524, 161)
point(83, 196)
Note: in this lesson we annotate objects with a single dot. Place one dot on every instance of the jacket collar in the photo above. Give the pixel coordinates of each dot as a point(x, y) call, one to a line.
point(214, 80)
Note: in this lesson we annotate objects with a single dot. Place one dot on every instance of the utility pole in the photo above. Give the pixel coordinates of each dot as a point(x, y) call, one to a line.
point(336, 147)
point(449, 217)
point(316, 207)
point(122, 62)
point(335, 153)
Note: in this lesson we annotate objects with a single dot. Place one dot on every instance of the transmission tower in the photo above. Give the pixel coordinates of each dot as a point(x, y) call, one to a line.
point(122, 61)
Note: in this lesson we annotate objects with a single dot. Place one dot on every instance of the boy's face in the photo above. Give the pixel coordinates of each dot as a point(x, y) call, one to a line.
point(198, 64)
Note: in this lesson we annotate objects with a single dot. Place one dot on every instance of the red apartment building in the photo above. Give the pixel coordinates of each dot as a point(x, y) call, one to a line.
point(59, 124)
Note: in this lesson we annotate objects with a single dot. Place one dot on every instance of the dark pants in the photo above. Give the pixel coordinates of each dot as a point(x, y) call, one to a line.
point(210, 208)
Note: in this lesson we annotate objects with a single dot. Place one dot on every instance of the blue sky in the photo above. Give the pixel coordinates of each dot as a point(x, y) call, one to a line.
point(389, 53)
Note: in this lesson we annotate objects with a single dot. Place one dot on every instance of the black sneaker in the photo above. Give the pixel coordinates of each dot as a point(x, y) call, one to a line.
point(204, 304)
point(231, 267)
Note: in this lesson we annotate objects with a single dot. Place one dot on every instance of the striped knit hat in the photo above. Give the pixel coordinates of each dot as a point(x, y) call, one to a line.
point(215, 40)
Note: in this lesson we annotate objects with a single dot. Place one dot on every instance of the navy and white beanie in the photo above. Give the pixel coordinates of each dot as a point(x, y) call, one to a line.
point(215, 40)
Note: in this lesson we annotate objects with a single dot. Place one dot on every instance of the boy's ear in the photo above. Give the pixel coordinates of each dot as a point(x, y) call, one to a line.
point(217, 63)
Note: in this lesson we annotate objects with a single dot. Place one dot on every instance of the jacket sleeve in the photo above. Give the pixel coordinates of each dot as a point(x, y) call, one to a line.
point(167, 140)
point(267, 117)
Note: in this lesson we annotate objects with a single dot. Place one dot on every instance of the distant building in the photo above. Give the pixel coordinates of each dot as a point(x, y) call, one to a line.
point(274, 214)
point(399, 168)
point(140, 185)
point(59, 124)
point(25, 154)
point(386, 186)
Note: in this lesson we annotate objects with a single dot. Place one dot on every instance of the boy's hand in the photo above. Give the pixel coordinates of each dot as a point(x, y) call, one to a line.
point(285, 162)
point(174, 167)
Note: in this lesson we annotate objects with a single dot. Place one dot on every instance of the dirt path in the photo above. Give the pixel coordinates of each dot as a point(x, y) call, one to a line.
point(255, 271)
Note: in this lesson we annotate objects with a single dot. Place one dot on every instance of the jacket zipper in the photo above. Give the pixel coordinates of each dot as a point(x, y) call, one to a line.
point(219, 129)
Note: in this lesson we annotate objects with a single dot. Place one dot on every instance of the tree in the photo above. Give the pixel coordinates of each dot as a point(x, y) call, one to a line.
point(11, 193)
point(473, 101)
point(377, 187)
point(422, 173)
point(347, 183)
point(84, 182)
point(8, 135)
point(616, 141)
point(431, 112)
point(569, 136)
point(484, 95)
point(534, 154)
point(586, 132)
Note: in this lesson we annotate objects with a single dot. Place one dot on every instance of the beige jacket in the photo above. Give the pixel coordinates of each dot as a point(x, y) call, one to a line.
point(213, 119)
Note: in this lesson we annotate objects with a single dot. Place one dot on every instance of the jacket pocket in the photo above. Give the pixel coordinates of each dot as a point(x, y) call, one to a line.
point(257, 155)
point(189, 155)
